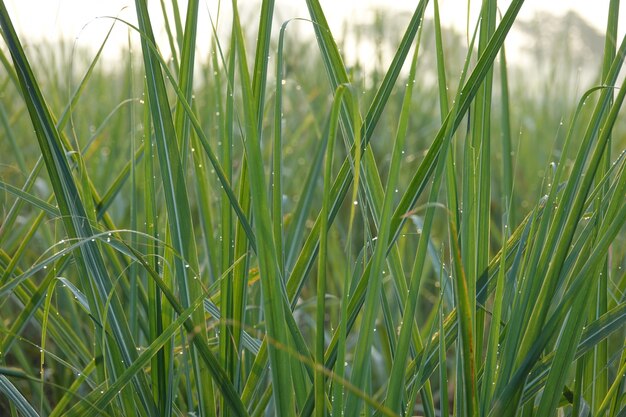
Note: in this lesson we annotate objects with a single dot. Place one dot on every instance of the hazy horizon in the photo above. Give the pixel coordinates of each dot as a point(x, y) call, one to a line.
point(87, 21)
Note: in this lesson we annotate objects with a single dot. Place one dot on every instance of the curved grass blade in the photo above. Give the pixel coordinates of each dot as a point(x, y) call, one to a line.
point(16, 398)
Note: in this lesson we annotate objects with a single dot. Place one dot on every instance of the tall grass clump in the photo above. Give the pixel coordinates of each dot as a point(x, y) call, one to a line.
point(260, 230)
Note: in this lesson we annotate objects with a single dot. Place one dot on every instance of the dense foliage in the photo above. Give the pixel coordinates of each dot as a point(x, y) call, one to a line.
point(265, 230)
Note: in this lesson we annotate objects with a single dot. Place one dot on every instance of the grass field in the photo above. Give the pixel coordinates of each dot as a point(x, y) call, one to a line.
point(263, 230)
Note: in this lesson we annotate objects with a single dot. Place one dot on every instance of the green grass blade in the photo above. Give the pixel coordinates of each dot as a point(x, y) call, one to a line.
point(396, 377)
point(16, 398)
point(595, 377)
point(320, 390)
point(507, 151)
point(272, 286)
point(466, 353)
point(175, 191)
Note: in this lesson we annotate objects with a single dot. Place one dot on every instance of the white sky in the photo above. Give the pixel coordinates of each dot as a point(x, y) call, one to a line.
point(82, 19)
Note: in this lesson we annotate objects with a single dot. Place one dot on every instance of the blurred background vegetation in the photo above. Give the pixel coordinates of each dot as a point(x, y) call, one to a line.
point(552, 61)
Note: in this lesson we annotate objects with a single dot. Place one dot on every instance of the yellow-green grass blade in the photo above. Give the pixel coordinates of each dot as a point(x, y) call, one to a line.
point(235, 292)
point(261, 63)
point(238, 299)
point(612, 395)
point(158, 316)
point(134, 218)
point(277, 153)
point(493, 345)
point(466, 354)
point(443, 361)
point(259, 91)
point(342, 330)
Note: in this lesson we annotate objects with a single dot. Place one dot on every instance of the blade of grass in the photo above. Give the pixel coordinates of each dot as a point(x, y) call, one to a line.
point(396, 377)
point(595, 376)
point(272, 287)
point(174, 186)
point(469, 405)
point(320, 390)
point(16, 398)
point(507, 151)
